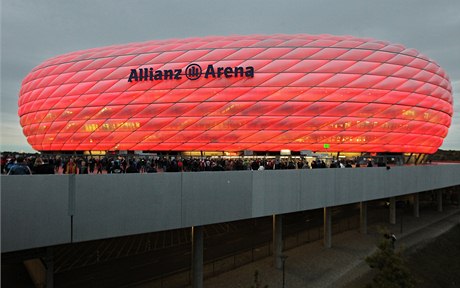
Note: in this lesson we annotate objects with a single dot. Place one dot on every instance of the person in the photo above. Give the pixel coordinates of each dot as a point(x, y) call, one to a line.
point(314, 165)
point(305, 165)
point(20, 168)
point(322, 164)
point(39, 166)
point(57, 164)
point(392, 238)
point(4, 162)
point(150, 168)
point(83, 168)
point(180, 165)
point(92, 165)
point(9, 164)
point(70, 167)
point(48, 166)
point(131, 168)
point(116, 168)
point(123, 163)
point(99, 166)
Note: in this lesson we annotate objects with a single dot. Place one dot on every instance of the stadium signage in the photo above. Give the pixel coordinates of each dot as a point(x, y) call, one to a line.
point(192, 72)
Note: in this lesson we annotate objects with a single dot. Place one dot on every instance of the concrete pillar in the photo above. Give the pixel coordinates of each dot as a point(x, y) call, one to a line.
point(416, 205)
point(439, 196)
point(197, 257)
point(327, 227)
point(363, 217)
point(278, 240)
point(392, 210)
point(49, 262)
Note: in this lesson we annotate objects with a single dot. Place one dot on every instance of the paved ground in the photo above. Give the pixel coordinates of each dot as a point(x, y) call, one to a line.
point(312, 265)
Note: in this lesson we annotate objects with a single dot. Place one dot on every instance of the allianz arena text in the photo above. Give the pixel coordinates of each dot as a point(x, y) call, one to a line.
point(235, 93)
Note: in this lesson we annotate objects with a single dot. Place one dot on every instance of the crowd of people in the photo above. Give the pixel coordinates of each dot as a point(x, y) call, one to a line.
point(51, 164)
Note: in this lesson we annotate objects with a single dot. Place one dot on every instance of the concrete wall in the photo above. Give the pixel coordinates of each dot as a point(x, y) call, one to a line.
point(34, 211)
point(116, 205)
point(39, 211)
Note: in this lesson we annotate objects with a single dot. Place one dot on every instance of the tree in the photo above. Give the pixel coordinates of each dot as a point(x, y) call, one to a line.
point(392, 271)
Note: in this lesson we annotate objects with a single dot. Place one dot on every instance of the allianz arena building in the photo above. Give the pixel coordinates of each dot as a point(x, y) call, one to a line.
point(238, 93)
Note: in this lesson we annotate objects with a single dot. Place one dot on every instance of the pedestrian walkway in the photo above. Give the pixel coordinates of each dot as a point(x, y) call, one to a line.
point(312, 265)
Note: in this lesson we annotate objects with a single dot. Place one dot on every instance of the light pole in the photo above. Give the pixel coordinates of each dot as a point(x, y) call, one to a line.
point(283, 260)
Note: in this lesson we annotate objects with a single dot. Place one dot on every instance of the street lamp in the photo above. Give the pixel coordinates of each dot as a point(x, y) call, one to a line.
point(283, 260)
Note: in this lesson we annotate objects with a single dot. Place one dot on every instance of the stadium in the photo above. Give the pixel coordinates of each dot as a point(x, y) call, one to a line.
point(229, 94)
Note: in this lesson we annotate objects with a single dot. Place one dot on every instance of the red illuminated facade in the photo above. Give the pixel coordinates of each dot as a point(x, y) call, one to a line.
point(355, 94)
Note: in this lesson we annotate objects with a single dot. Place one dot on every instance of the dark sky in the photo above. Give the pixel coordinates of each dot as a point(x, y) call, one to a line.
point(34, 30)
